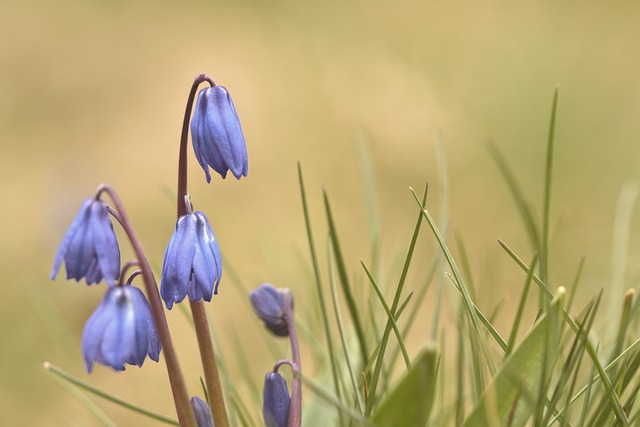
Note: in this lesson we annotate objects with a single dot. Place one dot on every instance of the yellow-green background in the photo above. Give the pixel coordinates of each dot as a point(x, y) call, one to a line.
point(94, 91)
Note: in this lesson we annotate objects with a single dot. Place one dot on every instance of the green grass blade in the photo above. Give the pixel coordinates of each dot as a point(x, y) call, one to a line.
point(409, 403)
point(82, 398)
point(321, 393)
point(612, 396)
point(544, 250)
point(344, 281)
point(390, 318)
point(318, 281)
point(517, 194)
point(521, 305)
point(107, 396)
point(510, 397)
point(394, 306)
point(483, 319)
point(343, 340)
point(478, 346)
point(371, 199)
point(444, 218)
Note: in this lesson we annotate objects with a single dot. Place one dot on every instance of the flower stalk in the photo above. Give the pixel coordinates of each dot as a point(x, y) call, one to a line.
point(176, 379)
point(201, 322)
point(295, 409)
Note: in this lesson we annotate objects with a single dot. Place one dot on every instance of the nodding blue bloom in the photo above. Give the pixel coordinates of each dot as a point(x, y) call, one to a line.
point(275, 400)
point(90, 249)
point(201, 411)
point(192, 263)
point(217, 135)
point(268, 304)
point(121, 330)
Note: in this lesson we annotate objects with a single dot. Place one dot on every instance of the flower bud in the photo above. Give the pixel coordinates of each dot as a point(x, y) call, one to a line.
point(201, 411)
point(268, 304)
point(276, 400)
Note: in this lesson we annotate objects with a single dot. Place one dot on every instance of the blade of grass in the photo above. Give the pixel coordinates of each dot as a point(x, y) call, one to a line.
point(521, 305)
point(371, 199)
point(613, 398)
point(390, 318)
point(83, 399)
point(510, 398)
point(321, 393)
point(478, 345)
point(444, 218)
point(107, 396)
point(345, 348)
point(344, 281)
point(544, 250)
point(482, 318)
point(517, 194)
point(394, 305)
point(318, 281)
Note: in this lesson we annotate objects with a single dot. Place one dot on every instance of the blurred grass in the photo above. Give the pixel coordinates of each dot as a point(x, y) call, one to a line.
point(93, 91)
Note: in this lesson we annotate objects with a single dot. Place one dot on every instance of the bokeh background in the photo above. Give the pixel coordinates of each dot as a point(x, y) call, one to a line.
point(94, 91)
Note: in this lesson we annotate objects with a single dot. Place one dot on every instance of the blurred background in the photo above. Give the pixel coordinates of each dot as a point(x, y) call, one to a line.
point(94, 91)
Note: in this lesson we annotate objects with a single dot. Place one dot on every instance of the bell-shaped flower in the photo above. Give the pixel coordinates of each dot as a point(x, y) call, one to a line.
point(121, 330)
point(90, 249)
point(201, 411)
point(192, 263)
point(268, 304)
point(217, 135)
point(275, 400)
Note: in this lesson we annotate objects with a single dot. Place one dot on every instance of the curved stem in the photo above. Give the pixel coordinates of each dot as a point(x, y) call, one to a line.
point(200, 320)
point(178, 387)
point(295, 409)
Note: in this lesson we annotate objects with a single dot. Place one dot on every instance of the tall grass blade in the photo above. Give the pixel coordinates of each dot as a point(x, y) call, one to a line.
point(394, 306)
point(343, 340)
point(521, 306)
point(606, 382)
point(390, 318)
point(107, 396)
point(371, 199)
point(510, 398)
point(517, 194)
point(548, 168)
point(344, 281)
point(478, 345)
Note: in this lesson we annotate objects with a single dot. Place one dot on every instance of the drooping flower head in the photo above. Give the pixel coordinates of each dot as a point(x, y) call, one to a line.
point(216, 134)
point(192, 262)
point(275, 400)
point(90, 249)
point(202, 412)
point(121, 330)
point(268, 304)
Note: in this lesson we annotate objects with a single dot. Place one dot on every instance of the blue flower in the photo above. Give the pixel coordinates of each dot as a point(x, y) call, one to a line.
point(268, 304)
point(201, 411)
point(192, 263)
point(217, 135)
point(121, 330)
point(90, 249)
point(275, 400)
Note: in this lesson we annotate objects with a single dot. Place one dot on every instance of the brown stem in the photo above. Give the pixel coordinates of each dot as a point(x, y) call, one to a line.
point(201, 323)
point(209, 365)
point(178, 387)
